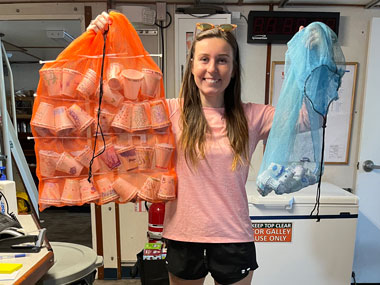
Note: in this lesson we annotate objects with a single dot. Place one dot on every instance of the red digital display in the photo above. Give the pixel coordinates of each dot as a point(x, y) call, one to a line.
point(279, 27)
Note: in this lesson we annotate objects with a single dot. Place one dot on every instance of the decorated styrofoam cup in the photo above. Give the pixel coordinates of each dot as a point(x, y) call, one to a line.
point(87, 86)
point(128, 157)
point(107, 193)
point(124, 189)
point(123, 118)
point(149, 190)
point(52, 79)
point(79, 117)
point(43, 120)
point(151, 83)
point(158, 115)
point(110, 157)
point(70, 81)
point(132, 80)
point(140, 119)
point(84, 157)
point(71, 192)
point(144, 157)
point(105, 119)
point(163, 153)
point(111, 96)
point(88, 191)
point(63, 124)
point(50, 195)
point(100, 165)
point(67, 164)
point(167, 188)
point(114, 79)
point(43, 132)
point(48, 162)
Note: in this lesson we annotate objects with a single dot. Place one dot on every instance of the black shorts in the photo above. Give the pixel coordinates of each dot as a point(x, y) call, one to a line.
point(227, 262)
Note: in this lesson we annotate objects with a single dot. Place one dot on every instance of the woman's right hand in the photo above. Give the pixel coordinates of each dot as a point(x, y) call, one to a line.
point(100, 23)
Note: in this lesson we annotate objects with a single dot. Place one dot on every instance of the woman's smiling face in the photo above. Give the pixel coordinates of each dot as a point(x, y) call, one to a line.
point(212, 68)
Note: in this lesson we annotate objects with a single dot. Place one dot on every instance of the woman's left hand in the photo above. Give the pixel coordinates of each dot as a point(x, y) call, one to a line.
point(313, 38)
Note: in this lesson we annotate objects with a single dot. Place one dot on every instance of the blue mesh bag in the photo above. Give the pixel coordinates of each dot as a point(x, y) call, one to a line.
point(314, 67)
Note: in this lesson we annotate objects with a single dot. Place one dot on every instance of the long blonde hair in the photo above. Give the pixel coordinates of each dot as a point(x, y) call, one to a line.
point(193, 122)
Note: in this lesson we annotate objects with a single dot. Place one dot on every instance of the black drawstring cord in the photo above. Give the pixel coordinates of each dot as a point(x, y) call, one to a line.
point(11, 214)
point(98, 126)
point(318, 196)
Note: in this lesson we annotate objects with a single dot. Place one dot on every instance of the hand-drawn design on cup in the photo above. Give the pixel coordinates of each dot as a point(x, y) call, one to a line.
point(140, 119)
point(48, 162)
point(144, 157)
point(88, 191)
point(43, 120)
point(107, 193)
point(112, 97)
point(123, 118)
point(158, 115)
point(132, 80)
point(167, 188)
point(79, 117)
point(87, 86)
point(71, 192)
point(151, 83)
point(110, 157)
point(128, 157)
point(52, 78)
point(84, 157)
point(50, 195)
point(163, 154)
point(67, 164)
point(70, 81)
point(105, 119)
point(149, 190)
point(114, 79)
point(124, 189)
point(63, 124)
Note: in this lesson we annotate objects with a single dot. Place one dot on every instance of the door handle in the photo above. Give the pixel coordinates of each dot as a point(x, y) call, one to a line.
point(368, 166)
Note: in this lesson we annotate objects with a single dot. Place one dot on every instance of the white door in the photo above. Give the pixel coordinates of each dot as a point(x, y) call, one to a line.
point(367, 248)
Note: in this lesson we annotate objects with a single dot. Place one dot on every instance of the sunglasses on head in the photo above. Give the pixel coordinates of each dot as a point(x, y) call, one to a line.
point(223, 27)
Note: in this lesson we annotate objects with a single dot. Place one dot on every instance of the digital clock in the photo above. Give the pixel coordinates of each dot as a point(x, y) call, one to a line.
point(280, 27)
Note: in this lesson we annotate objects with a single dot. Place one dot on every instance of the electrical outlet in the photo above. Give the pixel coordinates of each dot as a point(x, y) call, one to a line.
point(235, 15)
point(161, 11)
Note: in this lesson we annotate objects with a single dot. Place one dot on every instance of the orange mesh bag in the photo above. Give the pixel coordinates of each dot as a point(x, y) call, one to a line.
point(101, 125)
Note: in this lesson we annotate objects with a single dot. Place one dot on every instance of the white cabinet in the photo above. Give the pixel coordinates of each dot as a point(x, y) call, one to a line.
point(184, 28)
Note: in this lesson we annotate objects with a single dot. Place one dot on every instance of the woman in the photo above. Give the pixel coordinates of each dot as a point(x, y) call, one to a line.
point(208, 229)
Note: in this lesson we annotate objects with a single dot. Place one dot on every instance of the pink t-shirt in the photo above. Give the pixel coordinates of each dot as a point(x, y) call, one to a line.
point(212, 202)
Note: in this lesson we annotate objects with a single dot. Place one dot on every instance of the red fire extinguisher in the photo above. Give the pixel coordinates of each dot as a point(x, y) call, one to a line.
point(156, 220)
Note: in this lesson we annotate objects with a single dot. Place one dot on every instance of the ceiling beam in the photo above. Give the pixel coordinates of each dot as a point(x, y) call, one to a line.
point(20, 49)
point(282, 3)
point(371, 4)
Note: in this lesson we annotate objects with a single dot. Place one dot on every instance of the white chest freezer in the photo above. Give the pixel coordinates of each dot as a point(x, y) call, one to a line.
point(293, 248)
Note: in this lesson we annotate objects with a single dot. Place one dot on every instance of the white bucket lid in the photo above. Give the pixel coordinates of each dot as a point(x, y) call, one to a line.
point(72, 262)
